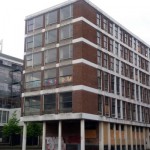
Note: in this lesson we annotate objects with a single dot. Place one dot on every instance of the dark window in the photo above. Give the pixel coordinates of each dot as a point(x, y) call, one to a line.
point(32, 105)
point(49, 103)
point(66, 102)
point(100, 104)
point(66, 32)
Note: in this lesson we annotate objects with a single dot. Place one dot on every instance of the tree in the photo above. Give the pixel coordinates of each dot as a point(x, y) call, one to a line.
point(12, 128)
point(34, 130)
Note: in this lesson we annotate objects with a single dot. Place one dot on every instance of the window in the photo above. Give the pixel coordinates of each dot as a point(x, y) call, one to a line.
point(38, 40)
point(30, 25)
point(111, 65)
point(111, 28)
point(112, 83)
point(29, 42)
point(99, 57)
point(119, 108)
point(105, 61)
point(65, 74)
point(34, 59)
point(66, 32)
point(66, 12)
point(116, 31)
point(106, 83)
point(37, 59)
point(34, 23)
point(51, 18)
point(100, 104)
point(51, 36)
point(118, 85)
point(99, 20)
point(134, 112)
point(50, 55)
point(33, 80)
point(99, 74)
point(110, 45)
point(105, 42)
point(131, 57)
point(105, 24)
point(107, 106)
point(99, 41)
point(65, 52)
point(49, 103)
point(65, 102)
point(135, 58)
point(32, 105)
point(116, 48)
point(117, 66)
point(138, 112)
point(113, 108)
point(5, 116)
point(50, 77)
point(124, 109)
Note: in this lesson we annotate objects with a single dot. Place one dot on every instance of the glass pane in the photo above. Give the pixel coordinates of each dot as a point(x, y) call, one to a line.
point(65, 52)
point(65, 71)
point(66, 32)
point(51, 36)
point(37, 59)
point(29, 60)
point(51, 17)
point(38, 22)
point(38, 40)
point(66, 12)
point(29, 42)
point(50, 55)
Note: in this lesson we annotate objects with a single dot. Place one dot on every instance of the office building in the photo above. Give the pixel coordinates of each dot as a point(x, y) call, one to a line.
point(86, 78)
point(10, 88)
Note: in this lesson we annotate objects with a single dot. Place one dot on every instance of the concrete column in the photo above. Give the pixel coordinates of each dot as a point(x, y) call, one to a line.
point(126, 139)
point(140, 114)
point(59, 134)
point(82, 135)
point(24, 136)
point(131, 137)
point(109, 138)
point(135, 130)
point(144, 138)
point(44, 135)
point(101, 136)
point(121, 109)
point(115, 136)
point(120, 137)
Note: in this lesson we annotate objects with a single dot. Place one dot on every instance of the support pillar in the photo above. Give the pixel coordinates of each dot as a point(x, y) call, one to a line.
point(24, 136)
point(82, 130)
point(131, 137)
point(44, 135)
point(59, 134)
point(101, 136)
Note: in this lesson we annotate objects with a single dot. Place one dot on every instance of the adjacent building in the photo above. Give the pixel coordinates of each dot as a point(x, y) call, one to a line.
point(10, 88)
point(86, 78)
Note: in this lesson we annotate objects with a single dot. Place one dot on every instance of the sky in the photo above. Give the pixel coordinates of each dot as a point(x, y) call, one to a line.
point(132, 14)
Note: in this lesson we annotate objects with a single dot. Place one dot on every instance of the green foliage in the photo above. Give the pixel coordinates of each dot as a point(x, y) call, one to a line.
point(34, 129)
point(12, 127)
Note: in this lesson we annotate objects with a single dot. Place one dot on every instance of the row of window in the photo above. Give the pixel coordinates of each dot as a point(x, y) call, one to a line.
point(110, 83)
point(49, 18)
point(34, 79)
point(109, 62)
point(107, 25)
point(50, 56)
point(107, 43)
point(32, 104)
point(128, 111)
point(50, 36)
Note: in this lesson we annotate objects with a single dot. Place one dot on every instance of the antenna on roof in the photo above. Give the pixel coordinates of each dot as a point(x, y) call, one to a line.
point(1, 45)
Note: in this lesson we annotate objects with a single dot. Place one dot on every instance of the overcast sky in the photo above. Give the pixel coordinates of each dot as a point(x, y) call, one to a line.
point(133, 14)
